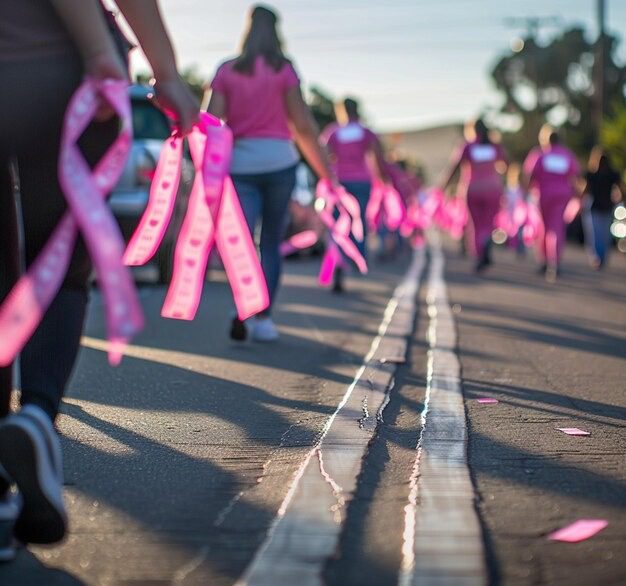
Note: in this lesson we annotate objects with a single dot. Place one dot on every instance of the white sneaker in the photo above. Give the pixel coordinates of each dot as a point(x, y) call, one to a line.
point(264, 330)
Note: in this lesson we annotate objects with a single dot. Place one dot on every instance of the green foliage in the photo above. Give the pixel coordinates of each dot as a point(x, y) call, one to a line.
point(190, 75)
point(555, 82)
point(195, 81)
point(322, 106)
point(613, 138)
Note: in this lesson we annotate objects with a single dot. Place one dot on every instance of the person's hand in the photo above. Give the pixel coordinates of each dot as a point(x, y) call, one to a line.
point(175, 98)
point(105, 65)
point(334, 181)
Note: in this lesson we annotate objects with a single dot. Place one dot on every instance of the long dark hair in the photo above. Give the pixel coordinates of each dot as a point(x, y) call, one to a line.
point(261, 39)
point(477, 131)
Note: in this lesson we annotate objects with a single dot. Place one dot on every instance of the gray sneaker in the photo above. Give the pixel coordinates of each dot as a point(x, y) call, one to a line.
point(264, 330)
point(31, 457)
point(41, 419)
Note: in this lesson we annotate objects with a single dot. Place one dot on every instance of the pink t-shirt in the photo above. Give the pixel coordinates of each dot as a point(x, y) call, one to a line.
point(478, 166)
point(400, 179)
point(349, 146)
point(255, 104)
point(550, 171)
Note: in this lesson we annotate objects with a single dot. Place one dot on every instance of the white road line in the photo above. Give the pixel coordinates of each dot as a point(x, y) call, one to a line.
point(443, 542)
point(305, 532)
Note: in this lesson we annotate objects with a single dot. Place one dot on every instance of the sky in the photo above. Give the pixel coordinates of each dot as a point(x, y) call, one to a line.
point(412, 63)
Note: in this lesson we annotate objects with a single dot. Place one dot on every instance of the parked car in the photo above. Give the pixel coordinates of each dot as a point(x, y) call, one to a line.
point(130, 197)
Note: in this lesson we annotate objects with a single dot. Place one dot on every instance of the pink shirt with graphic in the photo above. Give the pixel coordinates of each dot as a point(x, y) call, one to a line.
point(349, 146)
point(478, 166)
point(551, 170)
point(255, 104)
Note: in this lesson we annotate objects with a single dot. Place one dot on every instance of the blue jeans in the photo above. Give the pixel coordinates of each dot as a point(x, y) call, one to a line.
point(597, 228)
point(360, 190)
point(266, 196)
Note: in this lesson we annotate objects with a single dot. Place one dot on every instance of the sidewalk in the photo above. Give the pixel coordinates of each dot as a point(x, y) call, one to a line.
point(554, 357)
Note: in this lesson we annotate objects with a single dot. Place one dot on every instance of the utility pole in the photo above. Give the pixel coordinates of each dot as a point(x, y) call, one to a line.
point(600, 69)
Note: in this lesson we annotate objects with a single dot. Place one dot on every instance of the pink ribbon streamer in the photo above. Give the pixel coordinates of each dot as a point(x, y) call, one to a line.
point(298, 241)
point(450, 214)
point(153, 224)
point(385, 204)
point(579, 530)
point(348, 221)
point(533, 225)
point(417, 219)
point(85, 191)
point(214, 216)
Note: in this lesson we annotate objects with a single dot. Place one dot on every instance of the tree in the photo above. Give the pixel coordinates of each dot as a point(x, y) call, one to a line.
point(322, 106)
point(190, 76)
point(555, 82)
point(613, 138)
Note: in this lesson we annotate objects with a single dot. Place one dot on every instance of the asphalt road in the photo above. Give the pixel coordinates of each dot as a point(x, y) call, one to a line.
point(177, 462)
point(555, 357)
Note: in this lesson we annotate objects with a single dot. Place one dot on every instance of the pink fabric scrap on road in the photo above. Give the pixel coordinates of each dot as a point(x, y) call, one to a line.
point(573, 431)
point(579, 530)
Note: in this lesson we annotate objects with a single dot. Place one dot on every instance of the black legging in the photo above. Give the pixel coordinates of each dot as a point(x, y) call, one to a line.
point(33, 101)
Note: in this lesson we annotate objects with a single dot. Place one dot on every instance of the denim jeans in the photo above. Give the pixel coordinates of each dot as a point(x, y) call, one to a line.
point(597, 228)
point(360, 190)
point(266, 196)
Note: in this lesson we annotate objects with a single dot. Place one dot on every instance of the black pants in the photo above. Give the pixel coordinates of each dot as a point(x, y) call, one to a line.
point(33, 100)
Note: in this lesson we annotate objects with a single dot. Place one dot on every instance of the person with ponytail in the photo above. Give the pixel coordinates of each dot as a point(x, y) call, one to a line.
point(603, 189)
point(258, 95)
point(482, 163)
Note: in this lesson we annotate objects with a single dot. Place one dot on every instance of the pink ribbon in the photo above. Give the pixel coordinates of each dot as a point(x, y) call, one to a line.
point(533, 224)
point(214, 216)
point(85, 191)
point(453, 216)
point(418, 217)
point(511, 218)
point(298, 241)
point(385, 204)
point(348, 221)
point(449, 214)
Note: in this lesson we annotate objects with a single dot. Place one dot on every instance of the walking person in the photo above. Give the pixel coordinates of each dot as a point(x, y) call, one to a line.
point(603, 190)
point(356, 155)
point(258, 95)
point(551, 171)
point(390, 241)
point(482, 163)
point(46, 48)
